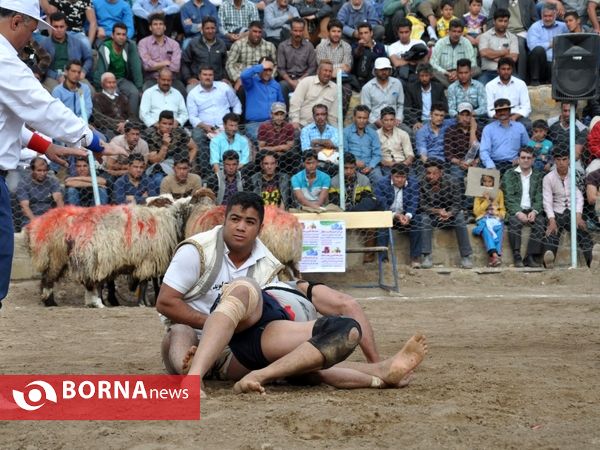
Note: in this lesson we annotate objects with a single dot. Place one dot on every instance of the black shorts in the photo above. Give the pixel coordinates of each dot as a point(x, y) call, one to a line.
point(246, 346)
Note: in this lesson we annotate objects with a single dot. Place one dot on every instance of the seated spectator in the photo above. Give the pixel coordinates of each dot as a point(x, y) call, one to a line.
point(277, 136)
point(277, 20)
point(311, 186)
point(557, 206)
point(133, 187)
point(79, 188)
point(506, 86)
point(542, 147)
point(261, 92)
point(143, 10)
point(226, 181)
point(592, 14)
point(163, 97)
point(193, 13)
point(502, 139)
point(313, 12)
point(441, 207)
point(63, 46)
point(365, 52)
point(323, 139)
point(489, 214)
point(112, 12)
point(522, 188)
point(444, 23)
point(419, 96)
point(119, 56)
point(466, 90)
point(355, 12)
point(382, 92)
point(558, 132)
point(475, 22)
point(359, 195)
point(592, 190)
point(36, 58)
point(296, 59)
point(38, 193)
point(205, 50)
point(166, 141)
point(362, 141)
point(79, 16)
point(312, 90)
point(399, 193)
point(497, 43)
point(235, 17)
point(395, 142)
point(158, 52)
point(539, 42)
point(72, 93)
point(246, 52)
point(430, 137)
point(132, 142)
point(110, 109)
point(402, 54)
point(181, 183)
point(269, 183)
point(448, 50)
point(207, 104)
point(229, 139)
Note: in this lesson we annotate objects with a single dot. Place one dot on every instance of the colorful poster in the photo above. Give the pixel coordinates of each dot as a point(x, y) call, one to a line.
point(323, 246)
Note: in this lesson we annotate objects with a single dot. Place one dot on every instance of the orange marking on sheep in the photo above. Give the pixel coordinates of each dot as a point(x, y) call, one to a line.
point(83, 229)
point(128, 226)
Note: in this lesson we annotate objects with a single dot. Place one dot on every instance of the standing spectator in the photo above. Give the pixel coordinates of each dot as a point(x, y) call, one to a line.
point(131, 142)
point(362, 141)
point(207, 104)
point(430, 137)
point(111, 110)
point(39, 193)
point(181, 183)
point(235, 17)
point(497, 43)
point(278, 17)
point(119, 56)
point(466, 90)
point(399, 193)
point(193, 13)
point(161, 97)
point(441, 207)
point(539, 41)
point(269, 183)
point(522, 187)
point(143, 10)
point(502, 139)
point(277, 136)
point(112, 12)
point(506, 86)
point(208, 50)
point(261, 92)
point(246, 52)
point(63, 47)
point(158, 52)
point(75, 95)
point(229, 139)
point(296, 59)
point(557, 206)
point(404, 66)
point(79, 187)
point(311, 186)
point(419, 96)
point(79, 16)
point(355, 12)
point(365, 52)
point(228, 180)
point(395, 142)
point(133, 187)
point(448, 50)
point(382, 92)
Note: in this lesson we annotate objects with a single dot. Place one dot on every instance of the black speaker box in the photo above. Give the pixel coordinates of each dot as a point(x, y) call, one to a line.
point(575, 63)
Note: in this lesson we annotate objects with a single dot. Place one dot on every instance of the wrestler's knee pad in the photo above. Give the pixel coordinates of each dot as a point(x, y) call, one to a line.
point(232, 306)
point(331, 335)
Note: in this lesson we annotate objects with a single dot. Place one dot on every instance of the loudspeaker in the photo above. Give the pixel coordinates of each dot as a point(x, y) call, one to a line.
point(575, 63)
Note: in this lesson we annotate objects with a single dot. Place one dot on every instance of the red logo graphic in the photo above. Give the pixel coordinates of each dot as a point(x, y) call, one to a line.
point(99, 397)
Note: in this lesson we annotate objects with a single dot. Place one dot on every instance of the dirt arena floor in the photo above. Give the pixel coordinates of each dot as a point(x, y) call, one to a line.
point(514, 362)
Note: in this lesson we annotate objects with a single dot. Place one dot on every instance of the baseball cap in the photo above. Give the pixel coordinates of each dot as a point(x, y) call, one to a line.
point(278, 107)
point(465, 106)
point(29, 8)
point(382, 63)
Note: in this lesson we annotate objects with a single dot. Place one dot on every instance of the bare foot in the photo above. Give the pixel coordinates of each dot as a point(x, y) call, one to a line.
point(397, 370)
point(248, 384)
point(187, 360)
point(404, 381)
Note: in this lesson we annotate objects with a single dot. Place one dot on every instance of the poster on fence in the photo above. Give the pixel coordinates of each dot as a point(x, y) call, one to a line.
point(323, 246)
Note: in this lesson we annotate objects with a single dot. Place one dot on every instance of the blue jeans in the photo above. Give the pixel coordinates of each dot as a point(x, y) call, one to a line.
point(7, 244)
point(74, 196)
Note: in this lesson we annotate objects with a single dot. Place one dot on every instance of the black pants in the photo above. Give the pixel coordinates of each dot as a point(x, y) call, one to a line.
point(540, 70)
point(536, 237)
point(584, 240)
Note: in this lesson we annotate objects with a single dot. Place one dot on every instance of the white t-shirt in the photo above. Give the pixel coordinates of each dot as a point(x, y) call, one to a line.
point(398, 48)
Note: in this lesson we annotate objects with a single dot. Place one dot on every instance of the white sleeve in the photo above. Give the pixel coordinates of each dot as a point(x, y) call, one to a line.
point(184, 270)
point(26, 135)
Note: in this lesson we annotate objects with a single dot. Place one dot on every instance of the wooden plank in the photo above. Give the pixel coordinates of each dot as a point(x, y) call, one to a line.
point(353, 220)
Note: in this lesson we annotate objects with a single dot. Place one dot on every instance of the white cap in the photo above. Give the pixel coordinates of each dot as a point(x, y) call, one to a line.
point(382, 63)
point(30, 8)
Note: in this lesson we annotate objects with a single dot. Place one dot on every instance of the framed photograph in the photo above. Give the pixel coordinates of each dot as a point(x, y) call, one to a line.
point(482, 180)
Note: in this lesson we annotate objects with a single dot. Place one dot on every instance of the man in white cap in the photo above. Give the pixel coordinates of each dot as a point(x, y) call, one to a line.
point(24, 100)
point(383, 91)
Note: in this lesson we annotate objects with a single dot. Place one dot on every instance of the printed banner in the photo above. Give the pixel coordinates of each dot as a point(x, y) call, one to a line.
point(323, 246)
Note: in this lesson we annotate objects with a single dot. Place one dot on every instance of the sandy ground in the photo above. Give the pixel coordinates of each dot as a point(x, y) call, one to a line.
point(514, 362)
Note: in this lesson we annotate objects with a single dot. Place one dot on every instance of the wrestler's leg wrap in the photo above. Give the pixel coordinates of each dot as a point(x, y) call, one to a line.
point(331, 335)
point(232, 306)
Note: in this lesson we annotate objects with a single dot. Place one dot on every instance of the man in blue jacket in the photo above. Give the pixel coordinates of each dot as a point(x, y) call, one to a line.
point(399, 193)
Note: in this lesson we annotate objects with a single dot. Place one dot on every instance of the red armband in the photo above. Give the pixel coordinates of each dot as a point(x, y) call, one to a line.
point(38, 143)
